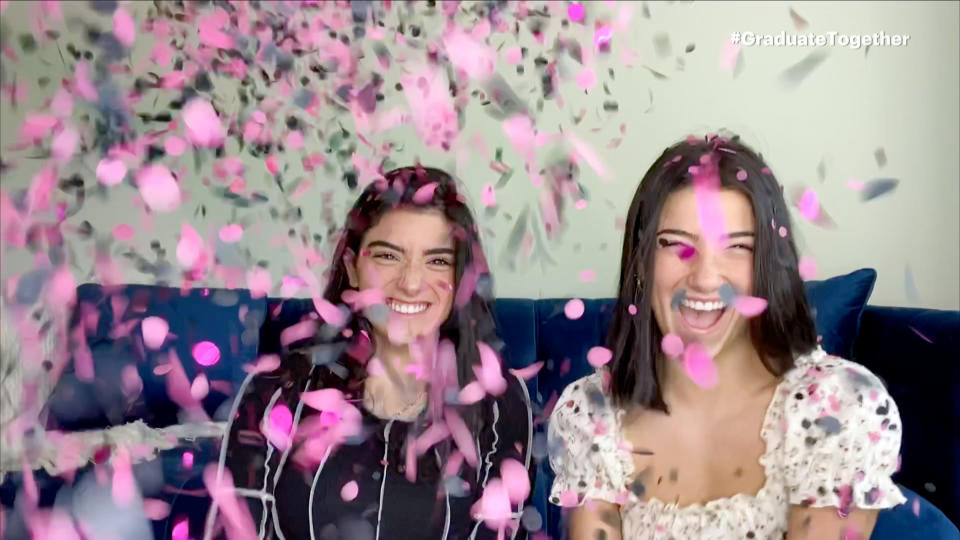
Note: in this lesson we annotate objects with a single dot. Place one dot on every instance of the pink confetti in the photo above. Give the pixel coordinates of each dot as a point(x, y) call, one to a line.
point(749, 306)
point(706, 185)
point(576, 12)
point(236, 514)
point(488, 196)
point(515, 479)
point(209, 30)
point(730, 56)
point(189, 247)
point(574, 309)
point(741, 175)
point(111, 171)
point(231, 234)
point(154, 331)
point(916, 506)
point(490, 374)
point(349, 491)
point(206, 353)
point(278, 426)
point(513, 55)
point(202, 124)
point(124, 27)
point(62, 104)
point(856, 185)
point(328, 399)
point(425, 193)
point(200, 387)
point(672, 345)
point(434, 116)
point(528, 372)
point(583, 152)
point(699, 366)
point(602, 37)
point(599, 356)
point(469, 55)
point(632, 309)
point(461, 436)
point(586, 79)
point(156, 509)
point(82, 84)
point(40, 193)
point(494, 505)
point(569, 499)
point(328, 312)
point(587, 276)
point(580, 204)
point(187, 460)
point(158, 188)
point(130, 381)
point(782, 231)
point(471, 393)
point(259, 282)
point(807, 268)
point(174, 145)
point(264, 364)
point(181, 529)
point(123, 232)
point(809, 205)
point(37, 127)
point(64, 144)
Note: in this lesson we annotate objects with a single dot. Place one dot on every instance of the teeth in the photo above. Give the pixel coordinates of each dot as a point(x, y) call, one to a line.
point(408, 309)
point(703, 306)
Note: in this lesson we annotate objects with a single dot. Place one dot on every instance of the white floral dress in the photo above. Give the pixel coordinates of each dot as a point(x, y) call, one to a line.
point(832, 435)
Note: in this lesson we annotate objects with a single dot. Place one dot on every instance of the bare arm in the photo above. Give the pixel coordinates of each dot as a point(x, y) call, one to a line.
point(826, 523)
point(595, 520)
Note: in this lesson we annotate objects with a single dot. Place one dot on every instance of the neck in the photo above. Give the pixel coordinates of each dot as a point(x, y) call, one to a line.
point(740, 372)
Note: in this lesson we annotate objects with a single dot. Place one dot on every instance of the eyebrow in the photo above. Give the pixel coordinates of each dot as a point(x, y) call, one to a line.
point(394, 247)
point(678, 232)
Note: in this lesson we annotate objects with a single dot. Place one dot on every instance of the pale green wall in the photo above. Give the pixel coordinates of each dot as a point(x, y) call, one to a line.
point(904, 100)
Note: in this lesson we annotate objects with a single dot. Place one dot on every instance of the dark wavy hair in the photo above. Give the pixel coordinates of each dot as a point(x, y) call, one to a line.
point(471, 319)
point(780, 333)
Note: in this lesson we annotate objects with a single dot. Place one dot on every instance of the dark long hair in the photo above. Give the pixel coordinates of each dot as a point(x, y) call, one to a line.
point(471, 319)
point(780, 333)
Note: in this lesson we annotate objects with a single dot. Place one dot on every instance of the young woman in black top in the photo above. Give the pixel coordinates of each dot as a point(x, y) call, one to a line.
point(395, 417)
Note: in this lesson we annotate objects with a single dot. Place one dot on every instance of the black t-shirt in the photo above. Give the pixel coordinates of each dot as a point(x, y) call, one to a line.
point(289, 502)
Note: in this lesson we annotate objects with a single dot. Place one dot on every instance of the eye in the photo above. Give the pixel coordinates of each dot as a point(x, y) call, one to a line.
point(385, 256)
point(741, 246)
point(439, 261)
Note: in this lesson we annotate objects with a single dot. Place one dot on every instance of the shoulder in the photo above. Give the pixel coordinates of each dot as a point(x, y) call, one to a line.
point(832, 385)
point(583, 406)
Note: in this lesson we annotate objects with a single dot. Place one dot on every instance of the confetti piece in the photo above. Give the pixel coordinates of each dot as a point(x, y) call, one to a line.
point(796, 74)
point(200, 387)
point(231, 234)
point(189, 247)
point(602, 38)
point(576, 12)
point(632, 309)
point(809, 205)
point(203, 127)
point(750, 306)
point(278, 426)
point(494, 505)
point(82, 84)
point(64, 144)
point(158, 188)
point(706, 185)
point(878, 187)
point(259, 282)
point(206, 353)
point(488, 196)
point(807, 268)
point(574, 309)
point(349, 491)
point(581, 151)
point(490, 376)
point(473, 57)
point(175, 146)
point(856, 185)
point(187, 460)
point(916, 506)
point(798, 22)
point(672, 345)
point(154, 331)
point(461, 436)
point(528, 372)
point(587, 276)
point(917, 332)
point(730, 57)
point(513, 55)
point(782, 231)
point(111, 172)
point(515, 479)
point(424, 194)
point(881, 156)
point(156, 509)
point(471, 393)
point(741, 175)
point(124, 27)
point(599, 356)
point(586, 79)
point(699, 366)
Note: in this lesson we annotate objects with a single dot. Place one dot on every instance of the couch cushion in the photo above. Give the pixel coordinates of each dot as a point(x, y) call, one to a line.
point(915, 352)
point(229, 319)
point(837, 305)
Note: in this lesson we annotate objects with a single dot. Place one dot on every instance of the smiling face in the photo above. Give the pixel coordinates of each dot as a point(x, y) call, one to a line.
point(409, 255)
point(687, 263)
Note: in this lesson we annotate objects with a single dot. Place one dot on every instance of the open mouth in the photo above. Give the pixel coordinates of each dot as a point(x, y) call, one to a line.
point(407, 308)
point(701, 316)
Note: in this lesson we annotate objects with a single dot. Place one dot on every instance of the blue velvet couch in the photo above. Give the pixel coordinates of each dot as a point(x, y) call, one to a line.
point(915, 351)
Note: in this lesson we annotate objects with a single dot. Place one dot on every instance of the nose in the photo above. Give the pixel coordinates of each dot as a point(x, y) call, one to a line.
point(705, 275)
point(411, 278)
